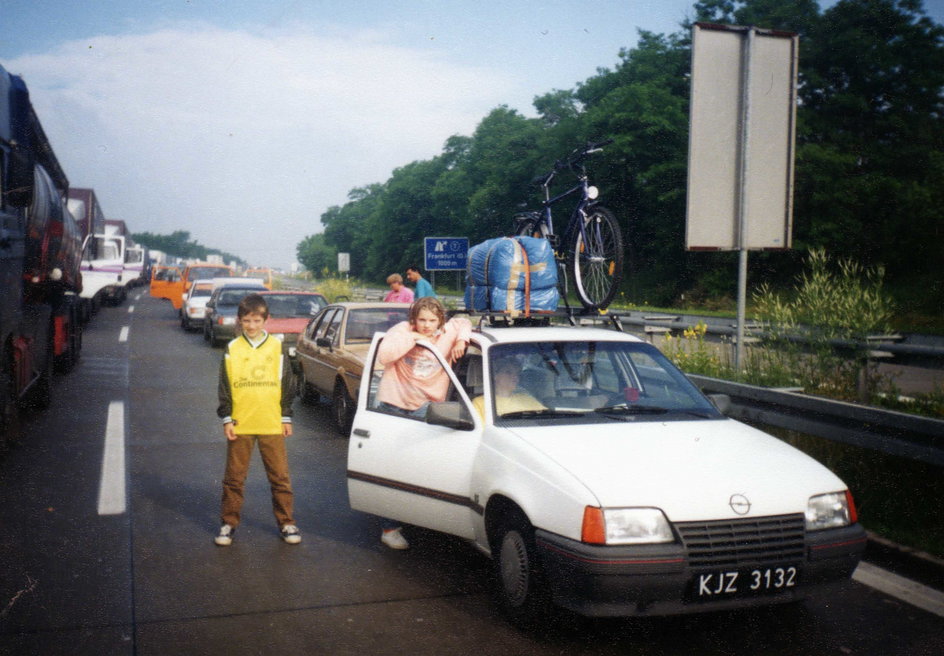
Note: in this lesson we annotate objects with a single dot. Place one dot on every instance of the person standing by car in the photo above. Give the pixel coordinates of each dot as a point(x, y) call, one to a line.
point(412, 377)
point(255, 392)
point(423, 288)
point(399, 293)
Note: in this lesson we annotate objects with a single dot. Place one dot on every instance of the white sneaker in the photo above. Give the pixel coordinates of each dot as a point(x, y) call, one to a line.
point(394, 539)
point(225, 537)
point(291, 534)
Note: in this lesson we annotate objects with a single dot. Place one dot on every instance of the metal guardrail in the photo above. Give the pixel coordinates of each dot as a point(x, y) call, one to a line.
point(895, 433)
point(915, 354)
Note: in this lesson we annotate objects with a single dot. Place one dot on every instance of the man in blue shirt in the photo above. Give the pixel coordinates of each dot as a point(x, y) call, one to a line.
point(423, 288)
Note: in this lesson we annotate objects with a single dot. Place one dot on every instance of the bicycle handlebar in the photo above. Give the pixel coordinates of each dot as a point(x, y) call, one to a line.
point(579, 154)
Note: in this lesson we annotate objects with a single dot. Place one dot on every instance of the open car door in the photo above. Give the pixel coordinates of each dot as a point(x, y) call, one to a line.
point(411, 469)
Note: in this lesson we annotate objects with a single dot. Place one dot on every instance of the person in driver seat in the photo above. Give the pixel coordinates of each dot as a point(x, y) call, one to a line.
point(508, 396)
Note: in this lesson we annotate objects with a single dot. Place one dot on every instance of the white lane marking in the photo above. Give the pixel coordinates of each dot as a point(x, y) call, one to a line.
point(130, 309)
point(111, 489)
point(123, 335)
point(901, 588)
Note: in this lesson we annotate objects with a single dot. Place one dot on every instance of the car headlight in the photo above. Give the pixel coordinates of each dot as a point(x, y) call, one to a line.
point(831, 510)
point(625, 526)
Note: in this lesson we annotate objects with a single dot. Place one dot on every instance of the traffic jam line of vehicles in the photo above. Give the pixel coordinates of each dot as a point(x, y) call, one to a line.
point(60, 259)
point(206, 297)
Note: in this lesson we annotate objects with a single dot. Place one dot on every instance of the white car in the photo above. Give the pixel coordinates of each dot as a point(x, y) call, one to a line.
point(607, 484)
point(193, 309)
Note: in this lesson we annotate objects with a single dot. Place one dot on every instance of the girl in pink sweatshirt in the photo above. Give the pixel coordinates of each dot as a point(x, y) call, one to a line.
point(412, 377)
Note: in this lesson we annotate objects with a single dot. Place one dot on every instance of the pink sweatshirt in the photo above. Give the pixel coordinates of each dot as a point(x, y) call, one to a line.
point(412, 376)
point(404, 295)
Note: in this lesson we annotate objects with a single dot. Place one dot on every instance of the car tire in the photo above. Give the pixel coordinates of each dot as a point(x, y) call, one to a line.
point(519, 583)
point(342, 408)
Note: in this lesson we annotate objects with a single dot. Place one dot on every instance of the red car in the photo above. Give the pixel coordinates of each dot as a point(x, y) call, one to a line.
point(289, 313)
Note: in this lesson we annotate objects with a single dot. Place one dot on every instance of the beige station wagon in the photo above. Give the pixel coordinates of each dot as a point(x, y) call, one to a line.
point(332, 349)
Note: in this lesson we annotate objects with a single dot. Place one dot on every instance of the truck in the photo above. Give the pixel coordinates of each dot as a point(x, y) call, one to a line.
point(134, 255)
point(103, 252)
point(137, 265)
point(40, 255)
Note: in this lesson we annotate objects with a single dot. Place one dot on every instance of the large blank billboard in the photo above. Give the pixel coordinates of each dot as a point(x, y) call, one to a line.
point(741, 139)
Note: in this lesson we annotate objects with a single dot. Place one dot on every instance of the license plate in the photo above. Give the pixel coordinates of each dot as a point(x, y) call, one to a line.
point(717, 585)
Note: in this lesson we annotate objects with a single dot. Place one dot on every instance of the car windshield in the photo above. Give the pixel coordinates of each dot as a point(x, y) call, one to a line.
point(286, 306)
point(363, 323)
point(201, 291)
point(233, 296)
point(599, 379)
point(203, 273)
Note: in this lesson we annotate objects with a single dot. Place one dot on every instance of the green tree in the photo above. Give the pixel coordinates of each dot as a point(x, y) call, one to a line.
point(316, 255)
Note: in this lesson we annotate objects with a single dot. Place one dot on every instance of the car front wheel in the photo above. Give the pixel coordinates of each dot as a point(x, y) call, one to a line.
point(521, 591)
point(343, 409)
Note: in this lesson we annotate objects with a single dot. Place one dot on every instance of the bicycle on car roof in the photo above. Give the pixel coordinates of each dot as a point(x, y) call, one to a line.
point(591, 248)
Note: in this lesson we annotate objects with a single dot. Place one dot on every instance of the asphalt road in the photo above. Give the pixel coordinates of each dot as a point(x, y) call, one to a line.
point(109, 505)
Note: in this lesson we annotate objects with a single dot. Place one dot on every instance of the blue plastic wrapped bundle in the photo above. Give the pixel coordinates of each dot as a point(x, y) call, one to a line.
point(512, 274)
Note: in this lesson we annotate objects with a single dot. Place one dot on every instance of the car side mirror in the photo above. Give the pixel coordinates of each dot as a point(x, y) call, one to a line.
point(323, 342)
point(450, 414)
point(721, 401)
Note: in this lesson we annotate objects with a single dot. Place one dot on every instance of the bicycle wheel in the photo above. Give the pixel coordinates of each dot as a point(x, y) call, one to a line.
point(597, 263)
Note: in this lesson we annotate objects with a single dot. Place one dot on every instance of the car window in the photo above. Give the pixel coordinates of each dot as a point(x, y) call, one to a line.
point(363, 323)
point(389, 394)
point(281, 305)
point(585, 376)
point(202, 273)
point(333, 327)
point(315, 326)
point(233, 296)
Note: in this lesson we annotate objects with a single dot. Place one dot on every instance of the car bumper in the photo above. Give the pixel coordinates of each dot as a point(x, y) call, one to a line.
point(224, 331)
point(603, 581)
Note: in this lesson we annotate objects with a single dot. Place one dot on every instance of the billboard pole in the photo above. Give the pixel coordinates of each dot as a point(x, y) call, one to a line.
point(744, 157)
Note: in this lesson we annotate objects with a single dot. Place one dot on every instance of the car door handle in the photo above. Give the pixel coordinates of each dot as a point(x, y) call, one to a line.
point(360, 432)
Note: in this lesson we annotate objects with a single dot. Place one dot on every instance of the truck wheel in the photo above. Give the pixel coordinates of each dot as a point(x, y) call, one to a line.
point(342, 408)
point(9, 413)
point(41, 394)
point(67, 361)
point(522, 593)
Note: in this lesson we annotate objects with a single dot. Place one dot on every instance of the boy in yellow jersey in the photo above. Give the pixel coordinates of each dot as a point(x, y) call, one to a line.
point(256, 396)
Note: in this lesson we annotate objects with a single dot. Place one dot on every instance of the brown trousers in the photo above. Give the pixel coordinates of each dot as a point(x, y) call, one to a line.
point(275, 460)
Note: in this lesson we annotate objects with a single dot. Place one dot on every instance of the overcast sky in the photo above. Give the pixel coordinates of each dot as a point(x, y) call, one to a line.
point(242, 121)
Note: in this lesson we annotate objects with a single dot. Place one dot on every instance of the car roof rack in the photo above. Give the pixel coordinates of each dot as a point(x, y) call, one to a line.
point(516, 320)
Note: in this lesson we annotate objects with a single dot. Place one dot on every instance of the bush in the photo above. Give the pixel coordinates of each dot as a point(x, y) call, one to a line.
point(334, 289)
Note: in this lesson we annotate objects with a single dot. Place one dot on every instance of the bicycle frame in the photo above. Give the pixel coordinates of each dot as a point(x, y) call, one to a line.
point(582, 204)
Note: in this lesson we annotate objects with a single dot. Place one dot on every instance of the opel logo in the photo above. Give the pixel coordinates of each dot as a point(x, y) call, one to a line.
point(739, 504)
